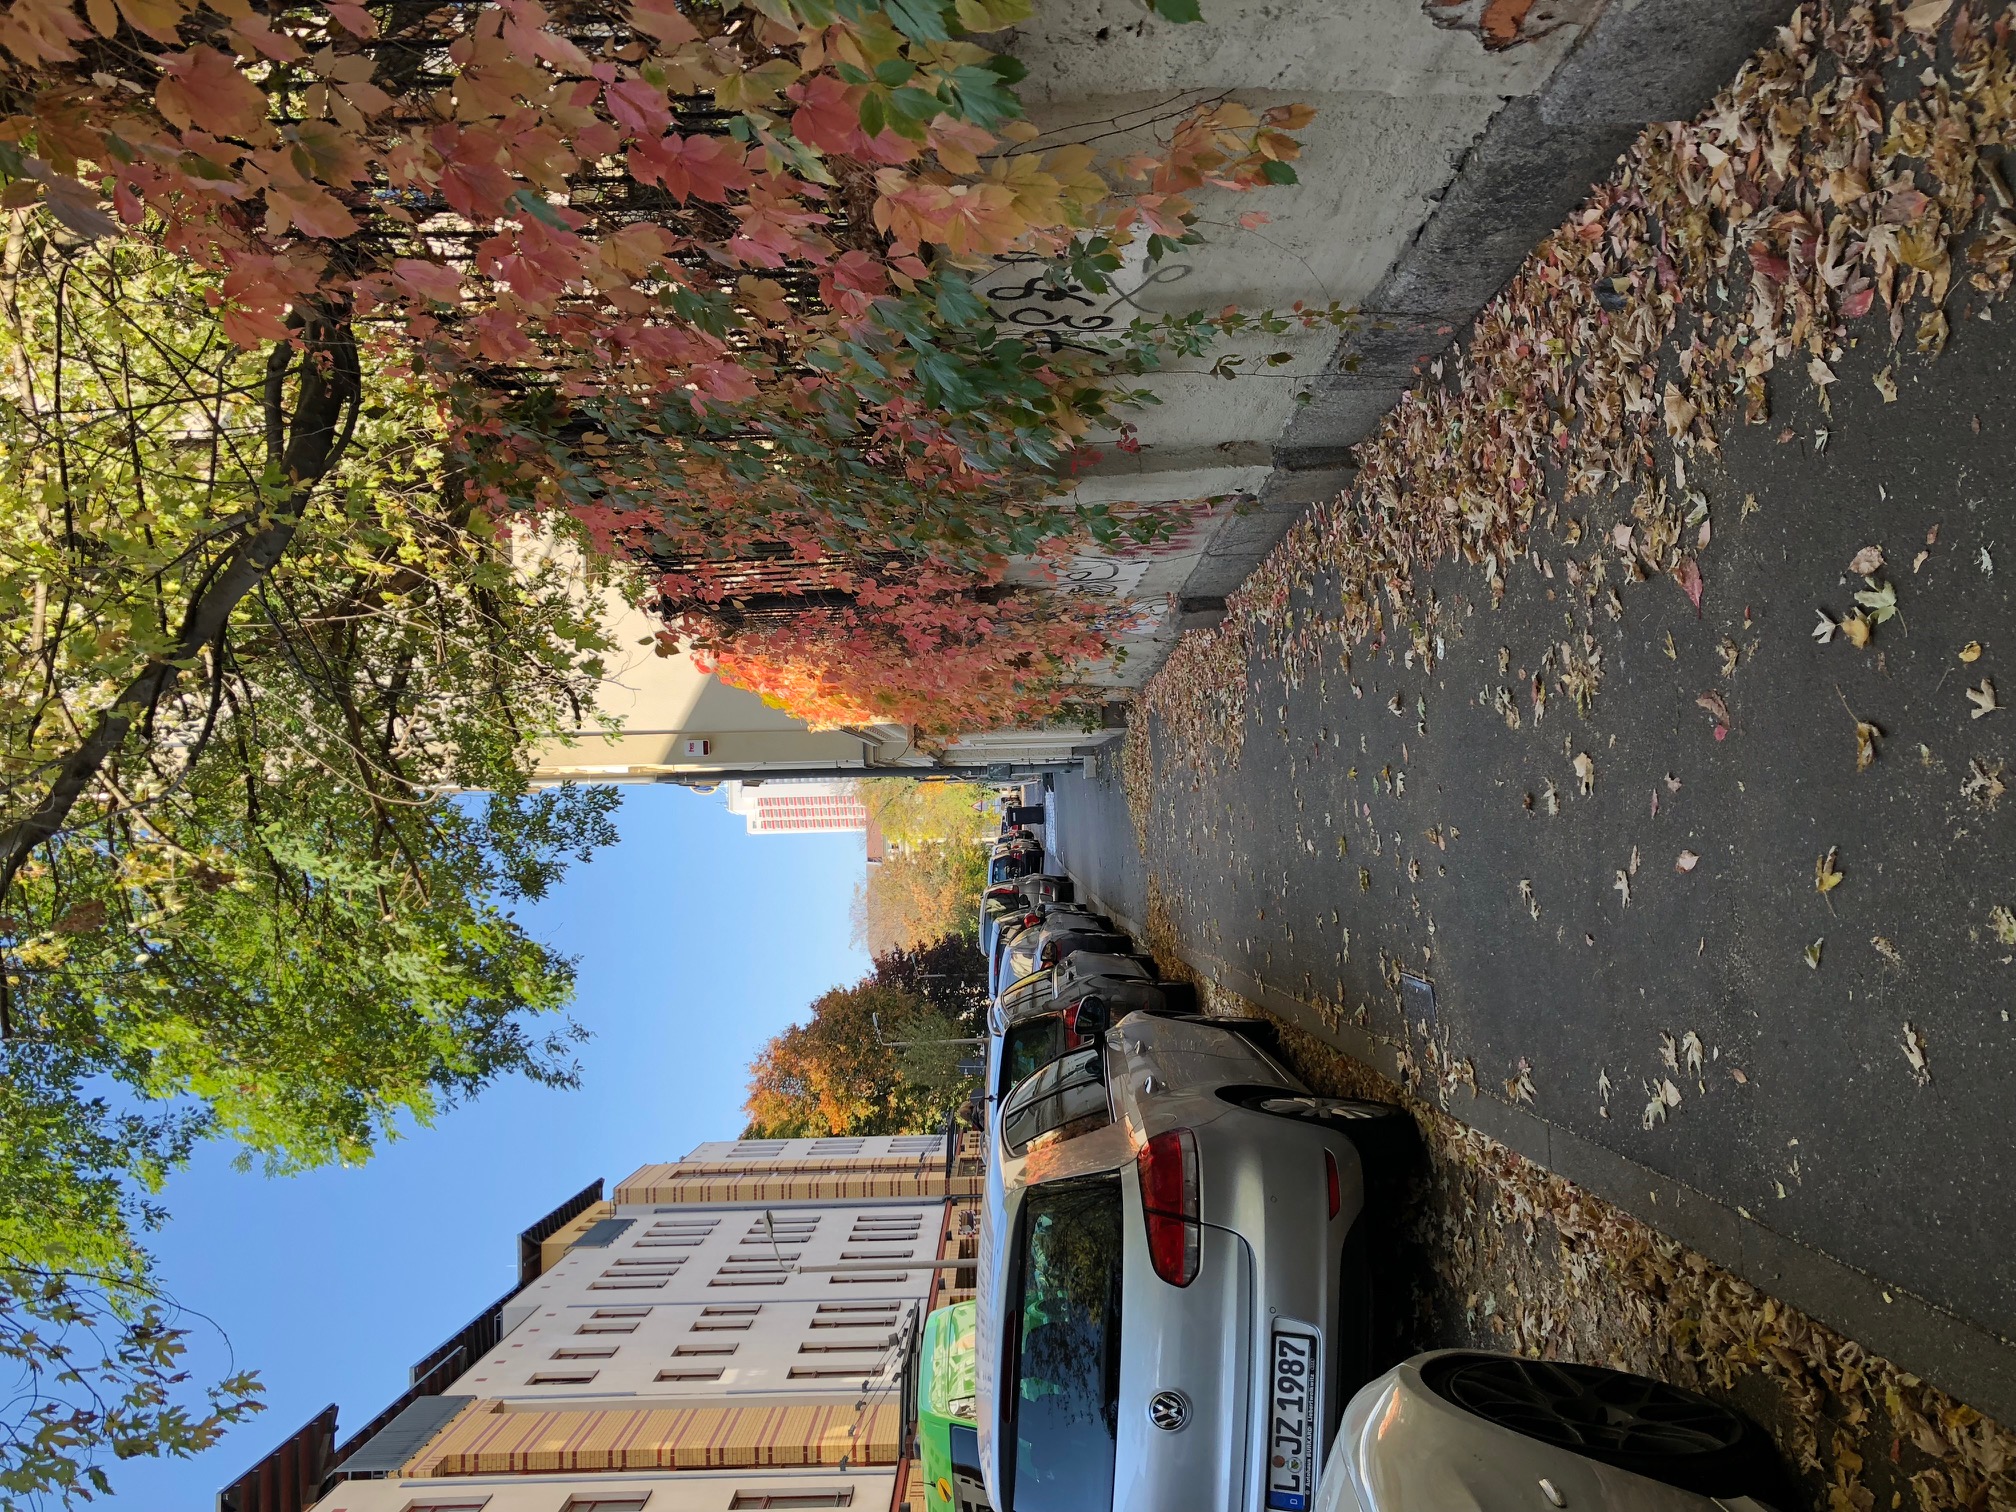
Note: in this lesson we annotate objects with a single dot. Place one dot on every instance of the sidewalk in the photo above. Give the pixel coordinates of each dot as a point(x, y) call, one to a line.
point(1637, 979)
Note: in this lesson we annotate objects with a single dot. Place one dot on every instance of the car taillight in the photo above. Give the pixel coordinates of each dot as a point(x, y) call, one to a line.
point(1030, 919)
point(1168, 1168)
point(1336, 1186)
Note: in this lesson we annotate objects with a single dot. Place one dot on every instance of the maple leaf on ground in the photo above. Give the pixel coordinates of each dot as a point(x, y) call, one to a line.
point(1880, 599)
point(1983, 699)
point(1858, 629)
point(1866, 562)
point(1826, 877)
point(1824, 631)
point(1971, 652)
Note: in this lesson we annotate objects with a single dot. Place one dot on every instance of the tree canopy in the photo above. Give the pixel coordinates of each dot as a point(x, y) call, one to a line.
point(837, 1073)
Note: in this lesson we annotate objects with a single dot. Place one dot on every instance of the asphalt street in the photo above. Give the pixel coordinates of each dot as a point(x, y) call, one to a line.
point(1620, 912)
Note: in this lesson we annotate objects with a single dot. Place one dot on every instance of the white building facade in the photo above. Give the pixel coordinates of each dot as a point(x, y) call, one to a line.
point(733, 1330)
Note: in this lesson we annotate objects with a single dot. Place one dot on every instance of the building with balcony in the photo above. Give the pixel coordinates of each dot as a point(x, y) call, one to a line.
point(734, 1329)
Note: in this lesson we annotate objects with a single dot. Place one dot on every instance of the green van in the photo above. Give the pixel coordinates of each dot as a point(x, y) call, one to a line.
point(948, 1451)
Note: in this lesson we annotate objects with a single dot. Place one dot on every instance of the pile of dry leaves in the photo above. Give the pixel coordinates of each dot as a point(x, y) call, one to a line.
point(1519, 1259)
point(1840, 179)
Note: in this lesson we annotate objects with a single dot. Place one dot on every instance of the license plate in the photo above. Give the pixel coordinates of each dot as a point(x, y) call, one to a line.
point(1293, 1424)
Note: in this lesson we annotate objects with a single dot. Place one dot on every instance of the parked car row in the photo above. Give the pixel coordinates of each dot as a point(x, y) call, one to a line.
point(1178, 1306)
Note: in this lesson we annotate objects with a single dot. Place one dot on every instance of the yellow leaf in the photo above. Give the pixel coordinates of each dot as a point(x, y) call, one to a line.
point(1971, 652)
point(1866, 736)
point(1825, 877)
point(1857, 629)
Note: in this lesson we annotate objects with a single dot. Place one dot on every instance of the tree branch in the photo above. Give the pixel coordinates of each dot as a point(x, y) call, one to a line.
point(302, 454)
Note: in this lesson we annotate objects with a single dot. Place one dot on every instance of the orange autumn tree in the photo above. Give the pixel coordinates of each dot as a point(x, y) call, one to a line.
point(692, 277)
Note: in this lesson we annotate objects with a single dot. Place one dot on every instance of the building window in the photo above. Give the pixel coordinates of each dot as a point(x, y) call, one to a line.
point(606, 1503)
point(653, 1242)
point(562, 1377)
point(760, 1147)
point(696, 1374)
point(855, 1315)
point(709, 1325)
point(843, 1497)
point(731, 1310)
point(869, 1278)
point(706, 1349)
point(607, 1326)
point(453, 1504)
point(877, 1254)
point(776, 1280)
point(875, 1348)
point(629, 1283)
point(585, 1352)
point(832, 1373)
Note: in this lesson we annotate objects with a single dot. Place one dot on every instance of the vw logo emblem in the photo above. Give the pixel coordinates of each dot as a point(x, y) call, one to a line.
point(1168, 1410)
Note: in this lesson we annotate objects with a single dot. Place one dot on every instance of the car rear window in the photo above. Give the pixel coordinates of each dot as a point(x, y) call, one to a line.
point(1066, 1097)
point(1063, 1412)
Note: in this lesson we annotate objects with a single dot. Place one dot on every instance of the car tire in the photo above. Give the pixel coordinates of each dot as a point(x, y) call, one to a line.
point(1660, 1431)
point(1343, 1113)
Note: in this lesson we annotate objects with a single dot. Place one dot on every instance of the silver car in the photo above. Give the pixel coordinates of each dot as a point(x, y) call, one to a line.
point(1464, 1431)
point(1173, 1304)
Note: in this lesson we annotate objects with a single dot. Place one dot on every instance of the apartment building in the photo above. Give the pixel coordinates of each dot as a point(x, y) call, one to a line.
point(735, 1329)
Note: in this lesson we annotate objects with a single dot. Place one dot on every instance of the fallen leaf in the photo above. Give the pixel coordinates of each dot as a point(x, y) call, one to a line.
point(1622, 887)
point(1879, 599)
point(1866, 562)
point(1914, 1052)
point(1866, 736)
point(2003, 922)
point(1886, 385)
point(1668, 1093)
point(1825, 876)
point(1741, 1079)
point(1925, 16)
point(1687, 862)
point(1819, 372)
point(1672, 783)
point(1718, 710)
point(1693, 1051)
point(1812, 953)
point(1585, 772)
point(1886, 950)
point(1986, 563)
point(1983, 699)
point(1688, 576)
point(1983, 783)
point(1824, 631)
point(1971, 652)
point(1919, 561)
point(1857, 629)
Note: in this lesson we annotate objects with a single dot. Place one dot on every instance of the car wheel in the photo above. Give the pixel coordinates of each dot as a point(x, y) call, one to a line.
point(1313, 1108)
point(1663, 1432)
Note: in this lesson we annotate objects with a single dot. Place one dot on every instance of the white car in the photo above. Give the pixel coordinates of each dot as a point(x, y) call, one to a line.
point(1464, 1431)
point(1173, 1277)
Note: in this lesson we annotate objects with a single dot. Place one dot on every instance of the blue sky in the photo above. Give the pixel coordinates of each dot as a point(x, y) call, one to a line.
point(697, 942)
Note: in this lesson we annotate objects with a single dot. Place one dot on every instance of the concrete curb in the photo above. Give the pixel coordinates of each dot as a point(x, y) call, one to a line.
point(1969, 1362)
point(1640, 61)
